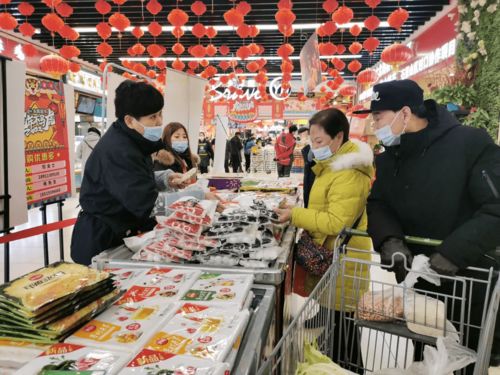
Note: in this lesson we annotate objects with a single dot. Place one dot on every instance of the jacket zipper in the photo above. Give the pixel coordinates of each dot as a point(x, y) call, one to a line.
point(490, 183)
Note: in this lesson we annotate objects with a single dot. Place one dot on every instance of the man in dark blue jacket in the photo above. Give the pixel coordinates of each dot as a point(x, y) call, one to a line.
point(436, 179)
point(119, 189)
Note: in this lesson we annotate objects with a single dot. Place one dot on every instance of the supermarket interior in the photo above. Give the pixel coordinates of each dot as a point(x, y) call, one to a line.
point(249, 187)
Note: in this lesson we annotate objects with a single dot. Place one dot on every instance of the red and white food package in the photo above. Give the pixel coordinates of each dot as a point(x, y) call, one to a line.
point(188, 218)
point(171, 251)
point(135, 243)
point(124, 277)
point(178, 226)
point(194, 207)
point(184, 244)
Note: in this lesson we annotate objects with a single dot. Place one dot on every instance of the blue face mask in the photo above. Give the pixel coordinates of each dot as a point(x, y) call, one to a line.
point(386, 136)
point(152, 134)
point(180, 146)
point(322, 153)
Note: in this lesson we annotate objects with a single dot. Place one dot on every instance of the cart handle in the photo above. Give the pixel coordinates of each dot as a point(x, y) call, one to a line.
point(408, 239)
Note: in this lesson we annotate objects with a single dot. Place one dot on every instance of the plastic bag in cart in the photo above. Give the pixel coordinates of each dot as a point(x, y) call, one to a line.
point(388, 304)
point(447, 357)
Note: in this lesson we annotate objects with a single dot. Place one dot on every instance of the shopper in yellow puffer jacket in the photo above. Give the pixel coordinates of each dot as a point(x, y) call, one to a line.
point(343, 170)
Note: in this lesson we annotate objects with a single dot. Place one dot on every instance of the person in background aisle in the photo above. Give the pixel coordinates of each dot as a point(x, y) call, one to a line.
point(205, 153)
point(436, 179)
point(249, 143)
point(338, 198)
point(87, 145)
point(119, 189)
point(235, 152)
point(309, 162)
point(283, 148)
point(177, 155)
point(227, 156)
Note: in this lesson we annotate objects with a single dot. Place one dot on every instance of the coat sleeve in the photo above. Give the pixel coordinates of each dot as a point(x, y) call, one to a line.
point(130, 182)
point(383, 222)
point(346, 202)
point(480, 234)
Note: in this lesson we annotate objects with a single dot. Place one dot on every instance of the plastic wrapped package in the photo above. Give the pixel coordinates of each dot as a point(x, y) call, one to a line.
point(220, 260)
point(251, 263)
point(200, 220)
point(200, 331)
point(15, 354)
point(155, 256)
point(184, 244)
point(162, 248)
point(159, 286)
point(65, 357)
point(194, 207)
point(124, 277)
point(179, 226)
point(148, 362)
point(123, 327)
point(226, 290)
point(135, 243)
point(268, 253)
point(187, 240)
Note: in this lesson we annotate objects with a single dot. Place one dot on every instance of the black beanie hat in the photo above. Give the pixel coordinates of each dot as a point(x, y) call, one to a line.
point(137, 99)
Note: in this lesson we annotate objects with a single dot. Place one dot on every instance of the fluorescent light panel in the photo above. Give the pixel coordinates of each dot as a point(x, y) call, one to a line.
point(226, 58)
point(226, 28)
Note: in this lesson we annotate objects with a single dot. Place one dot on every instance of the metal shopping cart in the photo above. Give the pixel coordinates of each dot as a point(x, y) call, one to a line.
point(369, 327)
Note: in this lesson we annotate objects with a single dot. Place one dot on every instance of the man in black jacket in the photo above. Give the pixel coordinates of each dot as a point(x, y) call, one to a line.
point(236, 147)
point(436, 179)
point(119, 189)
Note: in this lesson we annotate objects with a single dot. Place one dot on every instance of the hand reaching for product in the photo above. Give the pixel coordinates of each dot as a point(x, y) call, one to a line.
point(284, 215)
point(394, 247)
point(214, 197)
point(175, 181)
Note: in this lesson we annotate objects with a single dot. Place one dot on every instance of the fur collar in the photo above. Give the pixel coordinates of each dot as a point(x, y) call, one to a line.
point(167, 158)
point(353, 154)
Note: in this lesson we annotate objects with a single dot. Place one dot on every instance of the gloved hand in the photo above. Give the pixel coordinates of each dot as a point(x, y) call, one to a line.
point(392, 246)
point(442, 265)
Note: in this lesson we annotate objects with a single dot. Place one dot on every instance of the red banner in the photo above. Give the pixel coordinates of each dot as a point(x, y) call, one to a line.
point(46, 142)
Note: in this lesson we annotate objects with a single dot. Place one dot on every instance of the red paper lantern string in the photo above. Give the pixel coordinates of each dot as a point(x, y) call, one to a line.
point(54, 65)
point(198, 8)
point(330, 6)
point(102, 7)
point(26, 9)
point(397, 18)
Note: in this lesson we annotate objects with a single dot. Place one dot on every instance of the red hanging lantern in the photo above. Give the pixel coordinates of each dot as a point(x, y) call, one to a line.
point(26, 9)
point(338, 81)
point(52, 3)
point(244, 52)
point(119, 21)
point(54, 65)
point(104, 49)
point(287, 66)
point(338, 63)
point(354, 66)
point(254, 47)
point(243, 31)
point(155, 29)
point(371, 44)
point(224, 50)
point(395, 55)
point(198, 30)
point(233, 17)
point(286, 30)
point(204, 63)
point(341, 49)
point(211, 50)
point(154, 7)
point(155, 50)
point(321, 31)
point(373, 3)
point(193, 65)
point(178, 32)
point(285, 50)
point(139, 68)
point(211, 32)
point(69, 52)
point(137, 32)
point(367, 77)
point(130, 51)
point(138, 49)
point(74, 67)
point(355, 48)
point(343, 15)
point(178, 65)
point(65, 10)
point(161, 64)
point(327, 49)
point(198, 8)
point(348, 91)
point(102, 7)
point(119, 2)
point(177, 17)
point(285, 17)
point(29, 50)
point(285, 4)
point(244, 8)
point(104, 30)
point(178, 49)
point(397, 18)
point(162, 78)
point(355, 30)
point(372, 23)
point(27, 29)
point(329, 28)
point(324, 66)
point(67, 32)
point(198, 51)
point(52, 22)
point(330, 6)
point(254, 31)
point(224, 65)
point(151, 74)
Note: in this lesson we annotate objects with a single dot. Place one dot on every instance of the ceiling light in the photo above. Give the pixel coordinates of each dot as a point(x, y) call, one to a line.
point(226, 58)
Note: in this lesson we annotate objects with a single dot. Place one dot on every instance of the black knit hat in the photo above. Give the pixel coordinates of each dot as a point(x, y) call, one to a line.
point(137, 99)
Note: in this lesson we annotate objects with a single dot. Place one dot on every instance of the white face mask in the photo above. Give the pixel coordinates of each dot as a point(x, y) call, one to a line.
point(386, 136)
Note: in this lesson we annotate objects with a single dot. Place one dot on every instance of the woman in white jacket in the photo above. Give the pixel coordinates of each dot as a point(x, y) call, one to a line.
point(87, 145)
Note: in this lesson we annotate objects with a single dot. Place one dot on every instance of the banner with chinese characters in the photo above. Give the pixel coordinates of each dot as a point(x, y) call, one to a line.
point(46, 142)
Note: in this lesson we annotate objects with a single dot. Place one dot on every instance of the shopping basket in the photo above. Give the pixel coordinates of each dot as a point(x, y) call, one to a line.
point(363, 338)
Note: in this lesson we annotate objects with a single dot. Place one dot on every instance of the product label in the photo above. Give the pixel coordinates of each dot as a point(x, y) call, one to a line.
point(61, 348)
point(175, 344)
point(98, 331)
point(148, 356)
point(199, 295)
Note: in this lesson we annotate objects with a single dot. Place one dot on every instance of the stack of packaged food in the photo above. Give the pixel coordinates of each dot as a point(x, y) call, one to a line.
point(47, 305)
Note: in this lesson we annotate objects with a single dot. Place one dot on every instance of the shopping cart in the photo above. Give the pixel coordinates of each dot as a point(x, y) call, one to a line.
point(364, 336)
